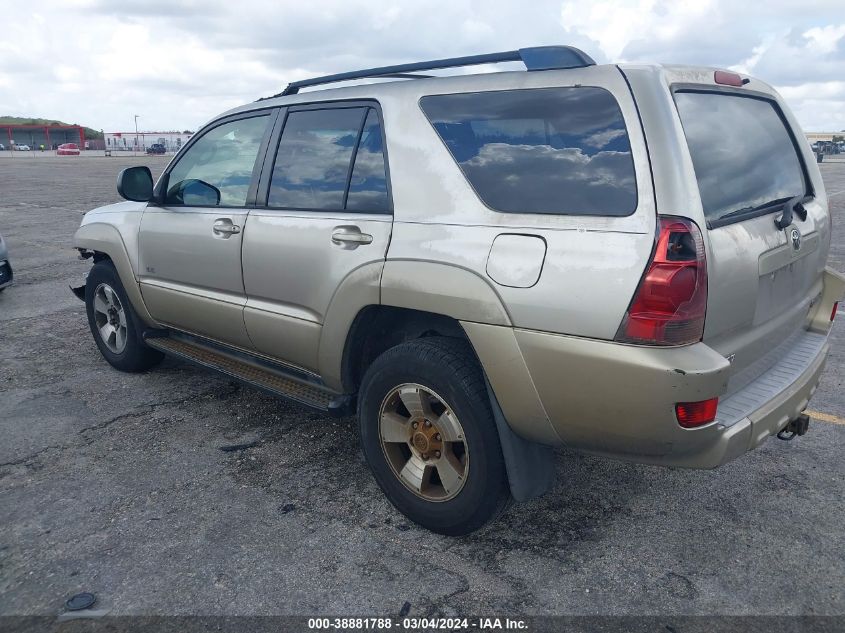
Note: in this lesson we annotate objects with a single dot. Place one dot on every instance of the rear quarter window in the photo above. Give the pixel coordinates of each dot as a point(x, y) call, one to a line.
point(544, 150)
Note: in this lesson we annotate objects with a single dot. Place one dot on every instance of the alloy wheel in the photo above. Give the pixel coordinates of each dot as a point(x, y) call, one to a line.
point(110, 317)
point(423, 442)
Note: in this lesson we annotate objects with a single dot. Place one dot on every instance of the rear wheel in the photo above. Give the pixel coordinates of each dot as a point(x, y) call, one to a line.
point(113, 322)
point(430, 438)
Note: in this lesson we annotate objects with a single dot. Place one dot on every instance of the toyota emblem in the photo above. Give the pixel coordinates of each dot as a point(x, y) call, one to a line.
point(796, 239)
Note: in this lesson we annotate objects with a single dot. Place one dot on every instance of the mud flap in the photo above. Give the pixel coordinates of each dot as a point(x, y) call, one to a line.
point(530, 466)
point(79, 291)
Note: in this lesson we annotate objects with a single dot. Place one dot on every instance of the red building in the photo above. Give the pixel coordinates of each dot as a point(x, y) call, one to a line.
point(51, 136)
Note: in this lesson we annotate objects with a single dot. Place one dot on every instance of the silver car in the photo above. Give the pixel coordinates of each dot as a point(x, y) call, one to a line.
point(628, 260)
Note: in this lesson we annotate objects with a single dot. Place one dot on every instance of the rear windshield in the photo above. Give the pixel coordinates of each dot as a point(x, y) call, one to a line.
point(744, 157)
point(544, 150)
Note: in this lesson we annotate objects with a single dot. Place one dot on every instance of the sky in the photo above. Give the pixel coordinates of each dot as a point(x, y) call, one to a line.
point(178, 63)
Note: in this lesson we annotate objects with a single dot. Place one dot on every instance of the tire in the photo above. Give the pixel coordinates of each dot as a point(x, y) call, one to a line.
point(125, 350)
point(444, 373)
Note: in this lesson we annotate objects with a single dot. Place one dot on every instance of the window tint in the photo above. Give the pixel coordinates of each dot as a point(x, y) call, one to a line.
point(547, 150)
point(312, 163)
point(217, 169)
point(741, 151)
point(368, 186)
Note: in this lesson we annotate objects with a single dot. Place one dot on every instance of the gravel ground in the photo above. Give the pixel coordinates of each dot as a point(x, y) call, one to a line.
point(116, 484)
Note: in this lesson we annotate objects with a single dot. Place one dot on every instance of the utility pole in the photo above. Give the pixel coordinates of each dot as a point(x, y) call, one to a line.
point(135, 152)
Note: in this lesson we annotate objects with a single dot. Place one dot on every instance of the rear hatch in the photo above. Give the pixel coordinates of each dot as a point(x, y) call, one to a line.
point(762, 279)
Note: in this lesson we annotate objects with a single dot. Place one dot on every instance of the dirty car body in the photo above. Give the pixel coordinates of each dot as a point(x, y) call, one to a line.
point(586, 248)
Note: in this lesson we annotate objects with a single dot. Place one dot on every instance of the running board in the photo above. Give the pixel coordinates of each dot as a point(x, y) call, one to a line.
point(253, 371)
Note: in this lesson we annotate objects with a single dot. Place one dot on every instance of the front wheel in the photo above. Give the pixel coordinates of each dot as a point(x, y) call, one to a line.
point(113, 322)
point(429, 436)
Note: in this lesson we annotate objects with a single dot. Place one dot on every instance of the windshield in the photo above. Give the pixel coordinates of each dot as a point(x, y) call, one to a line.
point(742, 152)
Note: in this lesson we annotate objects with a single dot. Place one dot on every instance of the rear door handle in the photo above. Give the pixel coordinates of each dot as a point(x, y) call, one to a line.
point(224, 228)
point(351, 236)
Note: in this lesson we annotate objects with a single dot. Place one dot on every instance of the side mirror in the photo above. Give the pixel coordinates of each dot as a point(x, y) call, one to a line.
point(194, 193)
point(136, 184)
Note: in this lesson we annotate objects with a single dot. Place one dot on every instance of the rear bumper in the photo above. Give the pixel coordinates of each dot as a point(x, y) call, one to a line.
point(618, 400)
point(779, 395)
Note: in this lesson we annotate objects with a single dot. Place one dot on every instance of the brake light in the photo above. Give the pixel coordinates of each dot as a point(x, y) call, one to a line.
point(670, 303)
point(727, 79)
point(833, 312)
point(693, 414)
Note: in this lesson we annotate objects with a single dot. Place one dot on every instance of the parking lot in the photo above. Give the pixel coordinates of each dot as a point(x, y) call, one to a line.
point(116, 483)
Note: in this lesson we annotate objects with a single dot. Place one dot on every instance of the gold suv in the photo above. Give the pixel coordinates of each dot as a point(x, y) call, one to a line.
point(624, 259)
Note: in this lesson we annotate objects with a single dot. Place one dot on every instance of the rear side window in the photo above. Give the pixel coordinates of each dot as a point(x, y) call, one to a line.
point(744, 158)
point(368, 185)
point(330, 159)
point(545, 150)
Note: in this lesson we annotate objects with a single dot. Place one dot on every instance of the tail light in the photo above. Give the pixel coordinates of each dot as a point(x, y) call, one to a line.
point(693, 414)
point(670, 303)
point(833, 312)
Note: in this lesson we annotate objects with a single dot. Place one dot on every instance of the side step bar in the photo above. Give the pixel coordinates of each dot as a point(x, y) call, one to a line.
point(253, 371)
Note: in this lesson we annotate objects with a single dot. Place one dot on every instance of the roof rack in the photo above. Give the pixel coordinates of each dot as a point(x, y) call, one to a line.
point(535, 58)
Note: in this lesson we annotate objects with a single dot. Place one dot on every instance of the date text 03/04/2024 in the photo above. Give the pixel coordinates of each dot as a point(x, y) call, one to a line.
point(418, 624)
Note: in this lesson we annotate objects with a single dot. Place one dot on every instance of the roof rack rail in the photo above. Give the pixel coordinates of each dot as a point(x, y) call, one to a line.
point(535, 58)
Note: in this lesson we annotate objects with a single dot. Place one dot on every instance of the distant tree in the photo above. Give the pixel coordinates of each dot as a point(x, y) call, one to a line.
point(189, 131)
point(838, 139)
point(17, 120)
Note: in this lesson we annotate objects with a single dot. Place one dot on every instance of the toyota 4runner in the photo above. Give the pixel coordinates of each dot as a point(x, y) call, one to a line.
point(628, 260)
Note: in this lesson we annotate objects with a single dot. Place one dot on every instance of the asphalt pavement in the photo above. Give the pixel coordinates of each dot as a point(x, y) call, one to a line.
point(117, 484)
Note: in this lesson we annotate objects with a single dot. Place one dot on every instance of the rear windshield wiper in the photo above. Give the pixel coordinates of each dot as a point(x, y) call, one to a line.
point(759, 207)
point(793, 205)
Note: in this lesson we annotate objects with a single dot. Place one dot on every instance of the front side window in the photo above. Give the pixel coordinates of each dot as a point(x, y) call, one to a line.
point(543, 150)
point(217, 169)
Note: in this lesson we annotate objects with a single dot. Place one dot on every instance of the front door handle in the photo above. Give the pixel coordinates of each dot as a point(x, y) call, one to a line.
point(224, 228)
point(350, 236)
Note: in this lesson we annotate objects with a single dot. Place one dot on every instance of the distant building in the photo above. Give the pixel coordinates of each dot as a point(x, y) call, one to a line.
point(822, 136)
point(50, 136)
point(130, 141)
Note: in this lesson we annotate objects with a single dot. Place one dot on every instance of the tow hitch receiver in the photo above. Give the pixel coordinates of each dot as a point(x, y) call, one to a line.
point(798, 426)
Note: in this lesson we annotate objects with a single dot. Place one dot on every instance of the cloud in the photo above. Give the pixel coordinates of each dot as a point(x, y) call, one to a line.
point(542, 178)
point(787, 44)
point(815, 55)
point(600, 139)
point(177, 63)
